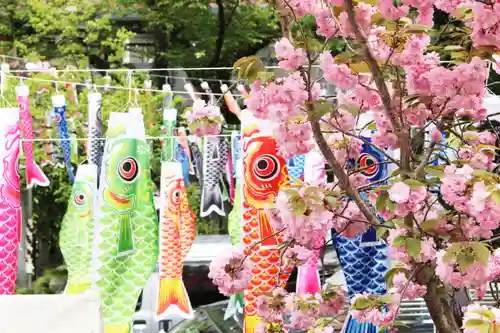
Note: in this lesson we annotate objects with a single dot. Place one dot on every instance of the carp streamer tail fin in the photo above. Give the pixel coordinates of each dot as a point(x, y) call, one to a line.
point(173, 297)
point(35, 175)
point(211, 201)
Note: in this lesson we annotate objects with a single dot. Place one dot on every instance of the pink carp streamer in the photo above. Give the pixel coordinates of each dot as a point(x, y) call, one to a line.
point(308, 280)
point(10, 199)
point(34, 175)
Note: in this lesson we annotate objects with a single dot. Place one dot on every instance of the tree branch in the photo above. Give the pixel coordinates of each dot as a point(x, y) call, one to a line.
point(425, 161)
point(383, 91)
point(339, 172)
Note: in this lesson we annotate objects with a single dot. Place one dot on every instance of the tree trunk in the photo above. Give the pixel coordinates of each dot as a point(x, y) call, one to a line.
point(441, 309)
point(222, 32)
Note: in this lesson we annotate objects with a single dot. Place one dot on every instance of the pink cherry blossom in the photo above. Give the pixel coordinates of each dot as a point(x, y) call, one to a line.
point(340, 75)
point(391, 12)
point(327, 27)
point(230, 273)
point(408, 289)
point(418, 115)
point(299, 255)
point(289, 57)
point(399, 192)
point(436, 135)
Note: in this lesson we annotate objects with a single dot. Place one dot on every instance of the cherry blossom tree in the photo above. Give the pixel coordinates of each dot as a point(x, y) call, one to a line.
point(441, 203)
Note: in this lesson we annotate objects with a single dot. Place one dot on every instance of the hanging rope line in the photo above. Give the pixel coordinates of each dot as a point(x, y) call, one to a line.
point(104, 139)
point(87, 84)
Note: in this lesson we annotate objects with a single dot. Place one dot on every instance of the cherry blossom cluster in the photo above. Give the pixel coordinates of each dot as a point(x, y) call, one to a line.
point(484, 21)
point(398, 250)
point(301, 212)
point(230, 272)
point(408, 199)
point(381, 310)
point(304, 311)
point(472, 194)
point(474, 274)
point(458, 272)
point(204, 119)
point(476, 151)
point(283, 102)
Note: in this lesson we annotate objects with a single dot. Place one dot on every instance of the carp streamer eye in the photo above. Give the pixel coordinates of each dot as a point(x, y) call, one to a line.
point(266, 167)
point(176, 196)
point(369, 164)
point(128, 169)
point(79, 198)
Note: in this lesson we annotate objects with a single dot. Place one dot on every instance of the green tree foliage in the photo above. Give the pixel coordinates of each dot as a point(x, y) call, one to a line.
point(193, 33)
point(68, 32)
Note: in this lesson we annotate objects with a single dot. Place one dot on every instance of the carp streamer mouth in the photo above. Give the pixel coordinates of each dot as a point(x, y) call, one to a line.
point(118, 202)
point(86, 214)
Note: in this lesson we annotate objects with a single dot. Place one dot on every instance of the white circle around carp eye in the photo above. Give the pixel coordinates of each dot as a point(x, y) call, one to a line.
point(128, 169)
point(79, 198)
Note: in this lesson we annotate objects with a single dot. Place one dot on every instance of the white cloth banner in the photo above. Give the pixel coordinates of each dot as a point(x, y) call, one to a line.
point(50, 313)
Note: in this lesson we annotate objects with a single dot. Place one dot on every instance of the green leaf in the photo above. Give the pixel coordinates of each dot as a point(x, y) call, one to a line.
point(481, 251)
point(496, 196)
point(265, 76)
point(413, 183)
point(399, 240)
point(382, 200)
point(417, 28)
point(380, 188)
point(483, 174)
point(486, 313)
point(490, 147)
point(464, 261)
point(320, 109)
point(453, 48)
point(381, 232)
point(354, 111)
point(385, 300)
point(399, 324)
point(299, 208)
point(452, 252)
point(434, 171)
point(413, 246)
point(360, 67)
point(391, 272)
point(361, 304)
point(429, 224)
point(474, 323)
point(382, 329)
point(372, 126)
point(249, 67)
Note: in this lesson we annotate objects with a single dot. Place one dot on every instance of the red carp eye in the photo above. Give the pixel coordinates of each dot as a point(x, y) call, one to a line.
point(368, 164)
point(128, 169)
point(266, 167)
point(176, 196)
point(79, 198)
